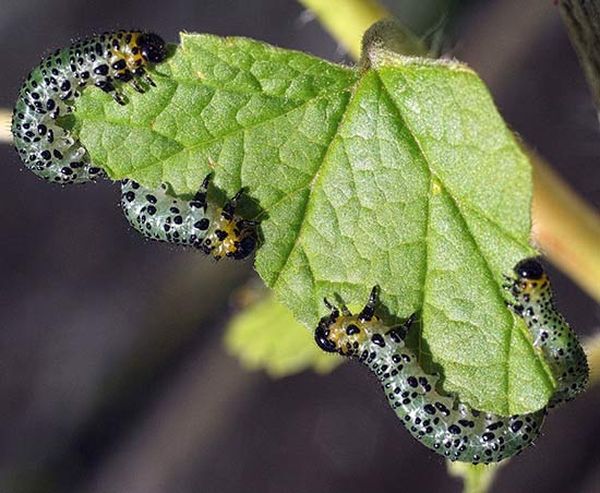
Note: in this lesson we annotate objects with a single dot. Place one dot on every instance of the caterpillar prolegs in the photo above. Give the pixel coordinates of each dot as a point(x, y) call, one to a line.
point(440, 421)
point(49, 92)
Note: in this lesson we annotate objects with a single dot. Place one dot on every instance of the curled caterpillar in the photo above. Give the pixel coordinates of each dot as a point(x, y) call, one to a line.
point(197, 223)
point(48, 93)
point(440, 421)
point(53, 153)
point(534, 302)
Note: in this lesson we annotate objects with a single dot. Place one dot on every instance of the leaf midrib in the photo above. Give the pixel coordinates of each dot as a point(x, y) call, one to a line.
point(498, 290)
point(313, 181)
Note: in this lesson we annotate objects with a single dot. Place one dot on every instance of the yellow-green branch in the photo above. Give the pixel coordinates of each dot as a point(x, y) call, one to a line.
point(565, 228)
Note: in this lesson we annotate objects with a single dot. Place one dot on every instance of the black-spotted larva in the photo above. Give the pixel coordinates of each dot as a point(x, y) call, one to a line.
point(53, 153)
point(440, 421)
point(216, 231)
point(534, 302)
point(48, 93)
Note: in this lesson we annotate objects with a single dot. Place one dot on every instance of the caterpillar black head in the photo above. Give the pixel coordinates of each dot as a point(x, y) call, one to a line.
point(247, 244)
point(242, 237)
point(343, 332)
point(108, 62)
point(322, 336)
point(152, 47)
point(529, 268)
point(532, 279)
point(230, 235)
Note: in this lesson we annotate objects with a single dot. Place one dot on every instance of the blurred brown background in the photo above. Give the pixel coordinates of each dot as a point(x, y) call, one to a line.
point(113, 377)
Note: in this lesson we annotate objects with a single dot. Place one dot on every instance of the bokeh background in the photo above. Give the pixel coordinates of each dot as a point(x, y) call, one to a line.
point(113, 374)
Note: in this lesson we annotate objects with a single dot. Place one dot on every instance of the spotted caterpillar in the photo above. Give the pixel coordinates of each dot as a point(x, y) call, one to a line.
point(48, 93)
point(197, 223)
point(534, 302)
point(53, 153)
point(440, 421)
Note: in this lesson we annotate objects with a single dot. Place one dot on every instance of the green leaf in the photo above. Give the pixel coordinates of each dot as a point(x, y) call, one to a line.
point(401, 174)
point(267, 336)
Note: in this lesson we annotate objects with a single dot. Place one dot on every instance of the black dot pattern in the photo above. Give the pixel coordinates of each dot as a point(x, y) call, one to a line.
point(197, 223)
point(438, 420)
point(533, 300)
point(49, 92)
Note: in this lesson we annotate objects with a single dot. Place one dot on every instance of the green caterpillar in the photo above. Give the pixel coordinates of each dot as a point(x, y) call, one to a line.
point(52, 152)
point(440, 421)
point(198, 223)
point(49, 93)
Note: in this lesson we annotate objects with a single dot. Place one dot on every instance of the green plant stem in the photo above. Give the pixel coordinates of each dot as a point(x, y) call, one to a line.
point(565, 228)
point(347, 20)
point(592, 349)
point(476, 478)
point(5, 118)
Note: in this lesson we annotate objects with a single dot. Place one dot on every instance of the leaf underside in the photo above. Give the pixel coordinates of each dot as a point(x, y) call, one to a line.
point(402, 175)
